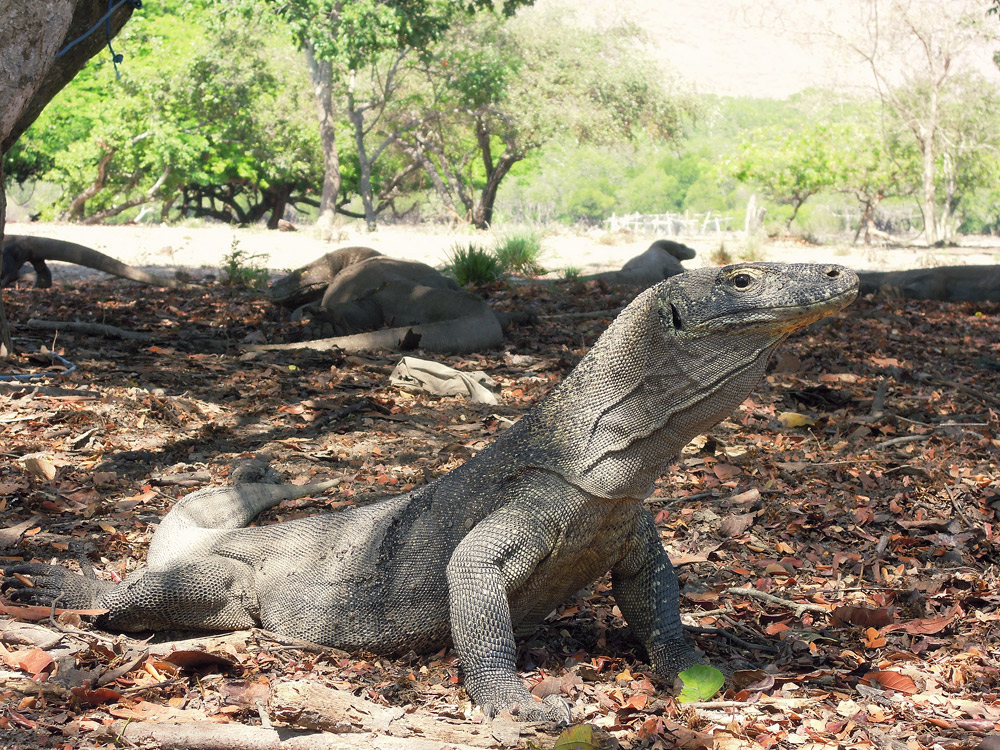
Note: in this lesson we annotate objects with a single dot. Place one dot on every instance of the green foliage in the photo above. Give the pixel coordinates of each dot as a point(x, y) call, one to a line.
point(355, 33)
point(495, 93)
point(470, 264)
point(242, 268)
point(519, 252)
point(571, 273)
point(203, 118)
point(213, 117)
point(789, 166)
point(700, 682)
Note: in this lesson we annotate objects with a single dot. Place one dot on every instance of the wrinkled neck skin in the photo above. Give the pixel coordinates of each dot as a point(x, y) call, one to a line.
point(638, 397)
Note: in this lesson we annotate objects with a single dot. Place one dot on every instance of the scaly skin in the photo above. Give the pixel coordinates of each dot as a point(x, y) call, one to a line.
point(20, 249)
point(488, 550)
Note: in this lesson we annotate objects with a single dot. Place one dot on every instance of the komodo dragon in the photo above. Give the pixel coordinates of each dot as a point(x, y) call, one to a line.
point(20, 249)
point(491, 548)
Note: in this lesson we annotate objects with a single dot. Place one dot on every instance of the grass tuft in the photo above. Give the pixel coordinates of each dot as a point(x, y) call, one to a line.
point(470, 264)
point(519, 252)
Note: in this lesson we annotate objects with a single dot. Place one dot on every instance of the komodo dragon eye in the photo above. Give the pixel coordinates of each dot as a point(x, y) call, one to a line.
point(742, 280)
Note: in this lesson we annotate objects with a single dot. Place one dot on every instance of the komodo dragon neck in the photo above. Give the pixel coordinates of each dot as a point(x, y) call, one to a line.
point(678, 359)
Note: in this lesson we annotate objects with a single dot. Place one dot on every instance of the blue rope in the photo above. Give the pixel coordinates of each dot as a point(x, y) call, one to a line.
point(70, 368)
point(105, 19)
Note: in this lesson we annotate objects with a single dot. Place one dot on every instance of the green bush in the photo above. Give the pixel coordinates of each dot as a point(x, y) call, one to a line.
point(519, 252)
point(571, 273)
point(469, 264)
point(244, 269)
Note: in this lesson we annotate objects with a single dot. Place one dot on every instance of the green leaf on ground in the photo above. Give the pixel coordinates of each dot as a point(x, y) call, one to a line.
point(701, 682)
point(579, 737)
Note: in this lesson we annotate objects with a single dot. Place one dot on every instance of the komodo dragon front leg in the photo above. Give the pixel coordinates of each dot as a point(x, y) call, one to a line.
point(495, 560)
point(645, 588)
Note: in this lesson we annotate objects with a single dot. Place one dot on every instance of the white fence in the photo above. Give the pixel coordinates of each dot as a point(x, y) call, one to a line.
point(668, 225)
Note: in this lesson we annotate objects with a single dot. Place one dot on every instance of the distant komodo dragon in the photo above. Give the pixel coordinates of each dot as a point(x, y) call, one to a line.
point(487, 551)
point(945, 283)
point(360, 299)
point(19, 249)
point(661, 260)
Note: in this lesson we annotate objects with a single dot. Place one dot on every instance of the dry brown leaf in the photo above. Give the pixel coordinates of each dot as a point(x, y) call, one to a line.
point(726, 471)
point(891, 680)
point(923, 626)
point(196, 659)
point(39, 465)
point(732, 526)
point(863, 617)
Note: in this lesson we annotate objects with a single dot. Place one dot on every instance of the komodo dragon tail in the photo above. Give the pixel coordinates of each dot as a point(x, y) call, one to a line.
point(21, 249)
point(235, 507)
point(222, 507)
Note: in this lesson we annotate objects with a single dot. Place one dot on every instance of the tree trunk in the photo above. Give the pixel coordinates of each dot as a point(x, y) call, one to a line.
point(321, 75)
point(357, 118)
point(6, 343)
point(32, 35)
point(482, 218)
point(927, 195)
point(926, 138)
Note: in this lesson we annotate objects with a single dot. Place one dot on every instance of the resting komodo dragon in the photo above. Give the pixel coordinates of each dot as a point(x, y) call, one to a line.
point(490, 549)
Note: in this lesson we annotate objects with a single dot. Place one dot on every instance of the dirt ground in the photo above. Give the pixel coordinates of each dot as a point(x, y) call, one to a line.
point(203, 247)
point(835, 538)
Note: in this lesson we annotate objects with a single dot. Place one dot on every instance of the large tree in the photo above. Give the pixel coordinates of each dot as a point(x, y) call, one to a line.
point(44, 44)
point(209, 118)
point(918, 52)
point(341, 37)
point(789, 166)
point(494, 92)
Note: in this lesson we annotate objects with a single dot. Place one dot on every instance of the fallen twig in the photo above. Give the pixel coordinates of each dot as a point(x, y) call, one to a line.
point(969, 390)
point(309, 705)
point(764, 701)
point(206, 735)
point(797, 607)
point(98, 329)
point(899, 440)
point(766, 647)
point(583, 315)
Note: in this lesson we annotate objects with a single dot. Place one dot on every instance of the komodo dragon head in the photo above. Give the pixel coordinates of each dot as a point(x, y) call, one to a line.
point(677, 361)
point(765, 301)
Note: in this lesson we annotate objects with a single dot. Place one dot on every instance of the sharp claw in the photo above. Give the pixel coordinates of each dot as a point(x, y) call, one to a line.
point(563, 713)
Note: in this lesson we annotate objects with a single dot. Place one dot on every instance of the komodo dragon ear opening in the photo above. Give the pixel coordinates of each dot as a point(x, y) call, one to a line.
point(675, 318)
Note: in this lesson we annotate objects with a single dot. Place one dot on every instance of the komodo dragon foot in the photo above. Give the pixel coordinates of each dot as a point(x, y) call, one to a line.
point(515, 699)
point(53, 585)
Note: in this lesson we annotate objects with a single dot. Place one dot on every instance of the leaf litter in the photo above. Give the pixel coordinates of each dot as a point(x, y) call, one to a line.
point(836, 536)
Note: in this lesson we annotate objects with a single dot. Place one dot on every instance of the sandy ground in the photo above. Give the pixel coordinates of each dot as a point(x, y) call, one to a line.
point(166, 248)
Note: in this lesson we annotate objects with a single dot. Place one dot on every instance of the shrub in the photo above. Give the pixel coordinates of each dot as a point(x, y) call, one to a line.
point(244, 269)
point(469, 264)
point(721, 256)
point(571, 273)
point(519, 253)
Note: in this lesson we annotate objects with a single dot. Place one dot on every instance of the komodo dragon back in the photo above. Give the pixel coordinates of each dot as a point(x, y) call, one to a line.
point(486, 551)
